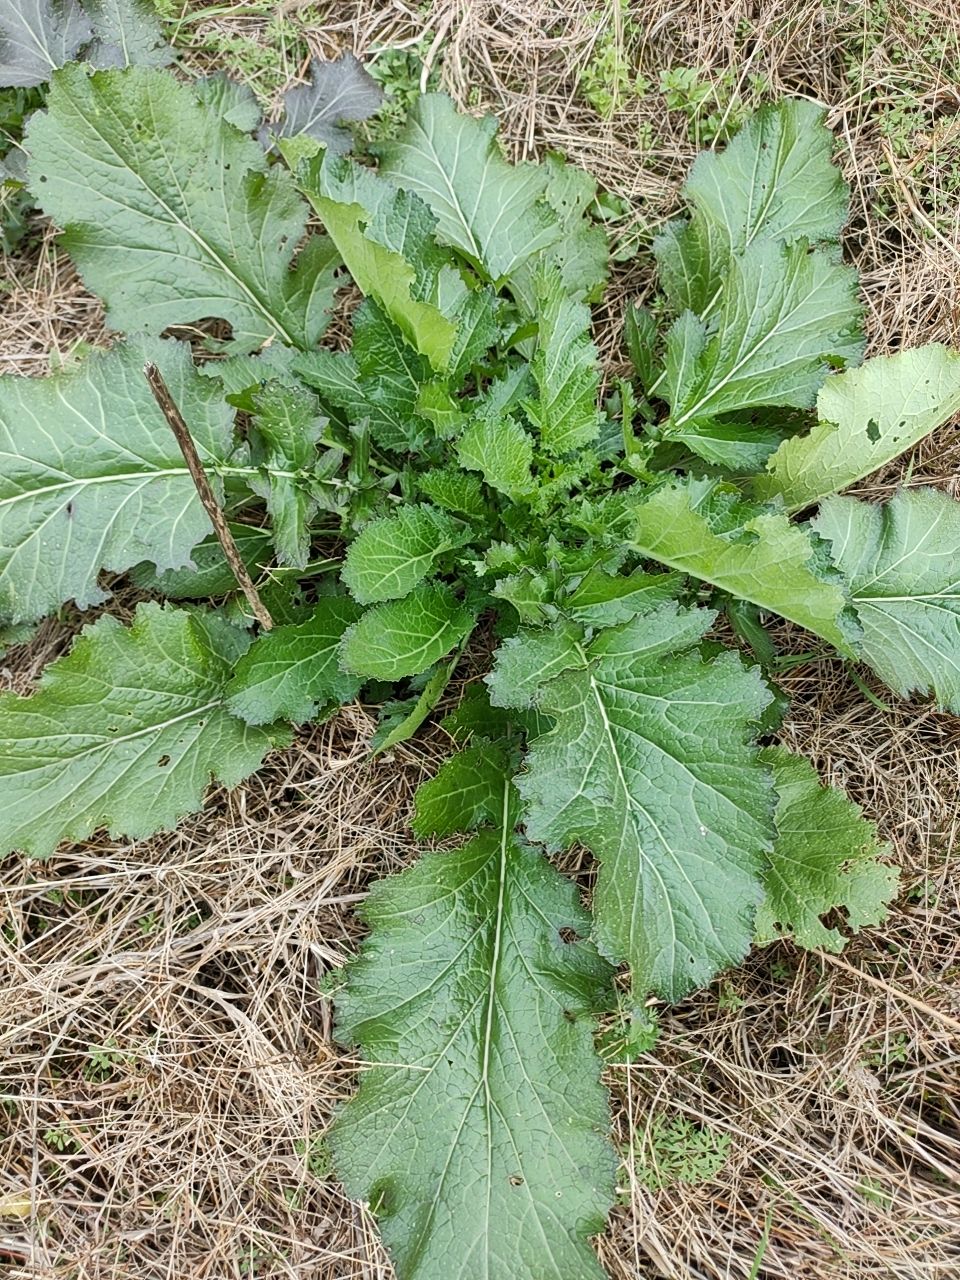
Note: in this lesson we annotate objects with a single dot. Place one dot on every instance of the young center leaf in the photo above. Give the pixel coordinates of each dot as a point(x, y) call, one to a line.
point(393, 553)
point(36, 37)
point(492, 212)
point(284, 431)
point(292, 672)
point(92, 477)
point(478, 1134)
point(339, 91)
point(566, 371)
point(702, 528)
point(404, 637)
point(901, 561)
point(868, 416)
point(649, 764)
point(826, 857)
point(125, 732)
point(171, 214)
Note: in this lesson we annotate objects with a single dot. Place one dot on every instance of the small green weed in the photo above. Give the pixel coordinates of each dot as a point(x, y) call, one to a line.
point(610, 77)
point(714, 106)
point(679, 1151)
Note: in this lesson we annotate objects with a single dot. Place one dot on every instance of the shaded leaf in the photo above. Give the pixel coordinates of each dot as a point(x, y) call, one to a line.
point(173, 215)
point(127, 33)
point(92, 477)
point(208, 574)
point(825, 857)
point(36, 37)
point(125, 732)
point(339, 91)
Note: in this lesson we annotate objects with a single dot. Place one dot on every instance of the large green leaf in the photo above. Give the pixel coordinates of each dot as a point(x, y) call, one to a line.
point(172, 214)
point(902, 566)
point(392, 554)
point(293, 671)
point(649, 765)
point(786, 317)
point(501, 451)
point(92, 477)
point(775, 181)
point(493, 212)
point(37, 36)
point(125, 732)
point(404, 637)
point(868, 416)
point(385, 236)
point(755, 553)
point(825, 858)
point(478, 1132)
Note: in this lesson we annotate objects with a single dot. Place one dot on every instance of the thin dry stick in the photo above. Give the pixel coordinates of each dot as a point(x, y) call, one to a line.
point(180, 429)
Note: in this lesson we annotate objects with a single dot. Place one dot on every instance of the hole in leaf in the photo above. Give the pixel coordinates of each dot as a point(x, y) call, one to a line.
point(163, 762)
point(569, 935)
point(515, 1180)
point(873, 431)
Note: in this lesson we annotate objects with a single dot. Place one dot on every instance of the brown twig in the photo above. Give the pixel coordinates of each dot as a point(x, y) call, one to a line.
point(174, 417)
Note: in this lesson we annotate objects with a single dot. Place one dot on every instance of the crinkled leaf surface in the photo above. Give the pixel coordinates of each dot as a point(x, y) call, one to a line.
point(125, 732)
point(566, 371)
point(378, 382)
point(501, 451)
point(465, 793)
point(289, 673)
point(825, 856)
point(338, 91)
point(493, 212)
point(127, 33)
point(526, 661)
point(901, 561)
point(393, 553)
point(92, 477)
point(786, 317)
point(478, 1132)
point(284, 432)
point(649, 764)
point(36, 37)
point(404, 637)
point(171, 214)
point(868, 416)
point(702, 528)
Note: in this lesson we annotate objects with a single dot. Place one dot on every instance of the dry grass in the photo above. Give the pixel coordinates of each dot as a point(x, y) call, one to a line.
point(164, 1011)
